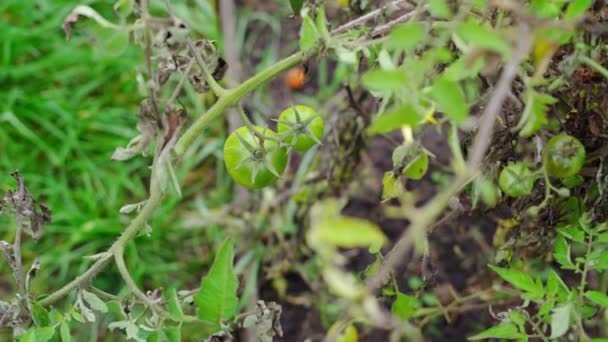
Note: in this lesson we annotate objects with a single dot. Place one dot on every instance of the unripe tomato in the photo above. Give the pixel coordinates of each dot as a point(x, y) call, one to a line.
point(516, 180)
point(250, 164)
point(564, 156)
point(301, 127)
point(295, 77)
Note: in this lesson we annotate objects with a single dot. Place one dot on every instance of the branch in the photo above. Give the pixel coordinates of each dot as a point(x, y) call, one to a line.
point(372, 15)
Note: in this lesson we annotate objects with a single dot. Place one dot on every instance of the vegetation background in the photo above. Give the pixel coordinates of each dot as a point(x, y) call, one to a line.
point(66, 106)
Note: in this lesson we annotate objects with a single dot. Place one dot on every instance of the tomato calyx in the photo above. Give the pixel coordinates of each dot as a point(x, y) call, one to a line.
point(260, 157)
point(299, 128)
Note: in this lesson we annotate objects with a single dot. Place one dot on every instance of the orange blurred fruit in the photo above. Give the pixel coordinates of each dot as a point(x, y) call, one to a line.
point(295, 78)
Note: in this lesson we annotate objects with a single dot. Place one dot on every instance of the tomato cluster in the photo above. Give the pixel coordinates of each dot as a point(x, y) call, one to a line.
point(257, 156)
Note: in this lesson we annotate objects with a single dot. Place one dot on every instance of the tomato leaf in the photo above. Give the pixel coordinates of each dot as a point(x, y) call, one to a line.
point(348, 232)
point(439, 9)
point(296, 6)
point(503, 330)
point(598, 298)
point(405, 306)
point(561, 252)
point(484, 37)
point(392, 120)
point(173, 307)
point(450, 99)
point(521, 281)
point(560, 320)
point(384, 80)
point(94, 302)
point(534, 116)
point(64, 331)
point(217, 299)
point(308, 33)
point(577, 8)
point(405, 37)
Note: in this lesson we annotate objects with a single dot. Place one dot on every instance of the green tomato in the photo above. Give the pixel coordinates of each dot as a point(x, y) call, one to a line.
point(301, 127)
point(250, 164)
point(564, 156)
point(516, 180)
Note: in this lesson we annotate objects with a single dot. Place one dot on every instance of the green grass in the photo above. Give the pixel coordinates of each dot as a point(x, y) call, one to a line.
point(64, 107)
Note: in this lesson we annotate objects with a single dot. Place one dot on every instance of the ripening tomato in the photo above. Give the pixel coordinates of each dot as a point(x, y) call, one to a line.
point(295, 77)
point(250, 163)
point(564, 156)
point(301, 127)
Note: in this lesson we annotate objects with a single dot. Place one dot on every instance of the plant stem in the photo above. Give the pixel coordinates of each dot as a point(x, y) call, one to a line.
point(126, 276)
point(581, 289)
point(225, 101)
point(216, 88)
point(231, 97)
point(595, 65)
point(132, 230)
point(19, 275)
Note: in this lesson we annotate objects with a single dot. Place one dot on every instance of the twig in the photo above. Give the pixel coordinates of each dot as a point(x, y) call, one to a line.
point(371, 15)
point(145, 15)
point(126, 276)
point(488, 117)
point(19, 275)
point(382, 29)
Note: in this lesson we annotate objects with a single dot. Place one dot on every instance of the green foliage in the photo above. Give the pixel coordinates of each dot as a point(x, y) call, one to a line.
point(507, 331)
point(217, 299)
point(405, 37)
point(450, 99)
point(443, 57)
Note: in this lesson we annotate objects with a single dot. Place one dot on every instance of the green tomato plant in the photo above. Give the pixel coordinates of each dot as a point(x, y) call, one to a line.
point(423, 67)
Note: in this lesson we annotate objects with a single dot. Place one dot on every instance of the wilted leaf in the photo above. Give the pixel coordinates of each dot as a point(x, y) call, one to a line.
point(94, 302)
point(88, 12)
point(20, 201)
point(149, 127)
